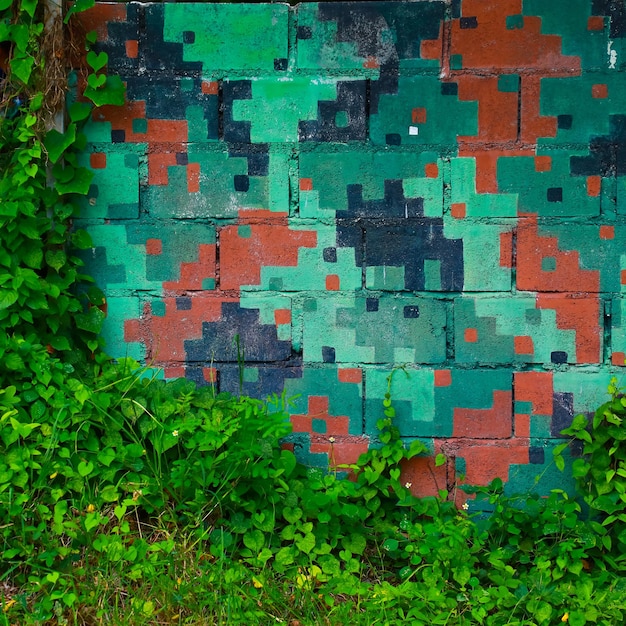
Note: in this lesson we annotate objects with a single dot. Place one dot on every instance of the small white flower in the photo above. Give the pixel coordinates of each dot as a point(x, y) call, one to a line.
point(175, 433)
point(465, 506)
point(331, 439)
point(408, 485)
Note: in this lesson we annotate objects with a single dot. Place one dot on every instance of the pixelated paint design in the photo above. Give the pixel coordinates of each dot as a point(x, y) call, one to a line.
point(346, 188)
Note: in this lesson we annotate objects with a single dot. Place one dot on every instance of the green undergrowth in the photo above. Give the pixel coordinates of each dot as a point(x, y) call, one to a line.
point(128, 500)
point(125, 499)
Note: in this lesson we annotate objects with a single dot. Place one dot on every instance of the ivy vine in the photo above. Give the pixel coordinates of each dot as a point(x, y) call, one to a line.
point(45, 297)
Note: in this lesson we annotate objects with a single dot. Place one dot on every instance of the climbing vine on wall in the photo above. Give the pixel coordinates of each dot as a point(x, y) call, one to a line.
point(45, 298)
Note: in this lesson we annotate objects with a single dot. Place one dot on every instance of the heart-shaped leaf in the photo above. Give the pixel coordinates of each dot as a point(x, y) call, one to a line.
point(292, 515)
point(96, 80)
point(97, 61)
point(84, 468)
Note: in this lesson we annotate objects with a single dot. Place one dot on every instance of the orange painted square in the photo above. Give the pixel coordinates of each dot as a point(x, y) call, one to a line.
point(418, 115)
point(210, 87)
point(350, 375)
point(618, 358)
point(594, 185)
point(282, 316)
point(522, 425)
point(523, 345)
point(209, 374)
point(600, 91)
point(623, 277)
point(306, 184)
point(154, 246)
point(317, 406)
point(332, 282)
point(431, 170)
point(132, 48)
point(595, 22)
point(371, 63)
point(98, 160)
point(506, 249)
point(174, 372)
point(443, 378)
point(607, 232)
point(543, 163)
point(458, 210)
point(193, 177)
point(471, 335)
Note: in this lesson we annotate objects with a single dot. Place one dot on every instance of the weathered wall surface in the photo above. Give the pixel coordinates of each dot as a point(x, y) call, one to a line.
point(353, 186)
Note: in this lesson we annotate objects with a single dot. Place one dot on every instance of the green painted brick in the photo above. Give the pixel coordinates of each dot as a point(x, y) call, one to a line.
point(227, 37)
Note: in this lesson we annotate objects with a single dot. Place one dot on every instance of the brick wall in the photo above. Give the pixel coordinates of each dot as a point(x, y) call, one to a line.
point(352, 186)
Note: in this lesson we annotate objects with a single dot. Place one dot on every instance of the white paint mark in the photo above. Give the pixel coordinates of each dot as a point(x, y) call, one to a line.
point(406, 210)
point(413, 130)
point(612, 54)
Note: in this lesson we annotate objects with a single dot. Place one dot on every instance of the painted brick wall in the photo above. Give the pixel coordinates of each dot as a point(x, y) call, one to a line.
point(353, 186)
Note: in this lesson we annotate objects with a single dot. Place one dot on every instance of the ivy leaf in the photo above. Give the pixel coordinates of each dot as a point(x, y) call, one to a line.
point(78, 183)
point(78, 7)
point(5, 4)
point(29, 6)
point(20, 35)
point(96, 80)
point(8, 209)
point(113, 92)
point(23, 430)
point(56, 259)
point(81, 239)
point(97, 61)
point(22, 68)
point(13, 361)
point(57, 143)
point(7, 298)
point(79, 111)
point(58, 342)
point(32, 257)
point(91, 321)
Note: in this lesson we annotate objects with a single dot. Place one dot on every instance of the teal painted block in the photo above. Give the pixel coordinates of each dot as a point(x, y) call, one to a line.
point(367, 35)
point(580, 119)
point(278, 107)
point(569, 19)
point(541, 475)
point(114, 189)
point(420, 115)
point(145, 256)
point(390, 278)
point(584, 391)
point(317, 267)
point(497, 330)
point(337, 390)
point(618, 331)
point(273, 310)
point(480, 398)
point(413, 398)
point(597, 248)
point(620, 194)
point(545, 185)
point(385, 329)
point(487, 254)
point(195, 190)
point(361, 183)
point(119, 310)
point(463, 192)
point(229, 37)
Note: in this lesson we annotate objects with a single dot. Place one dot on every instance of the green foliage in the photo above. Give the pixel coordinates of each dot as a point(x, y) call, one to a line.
point(600, 472)
point(40, 275)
